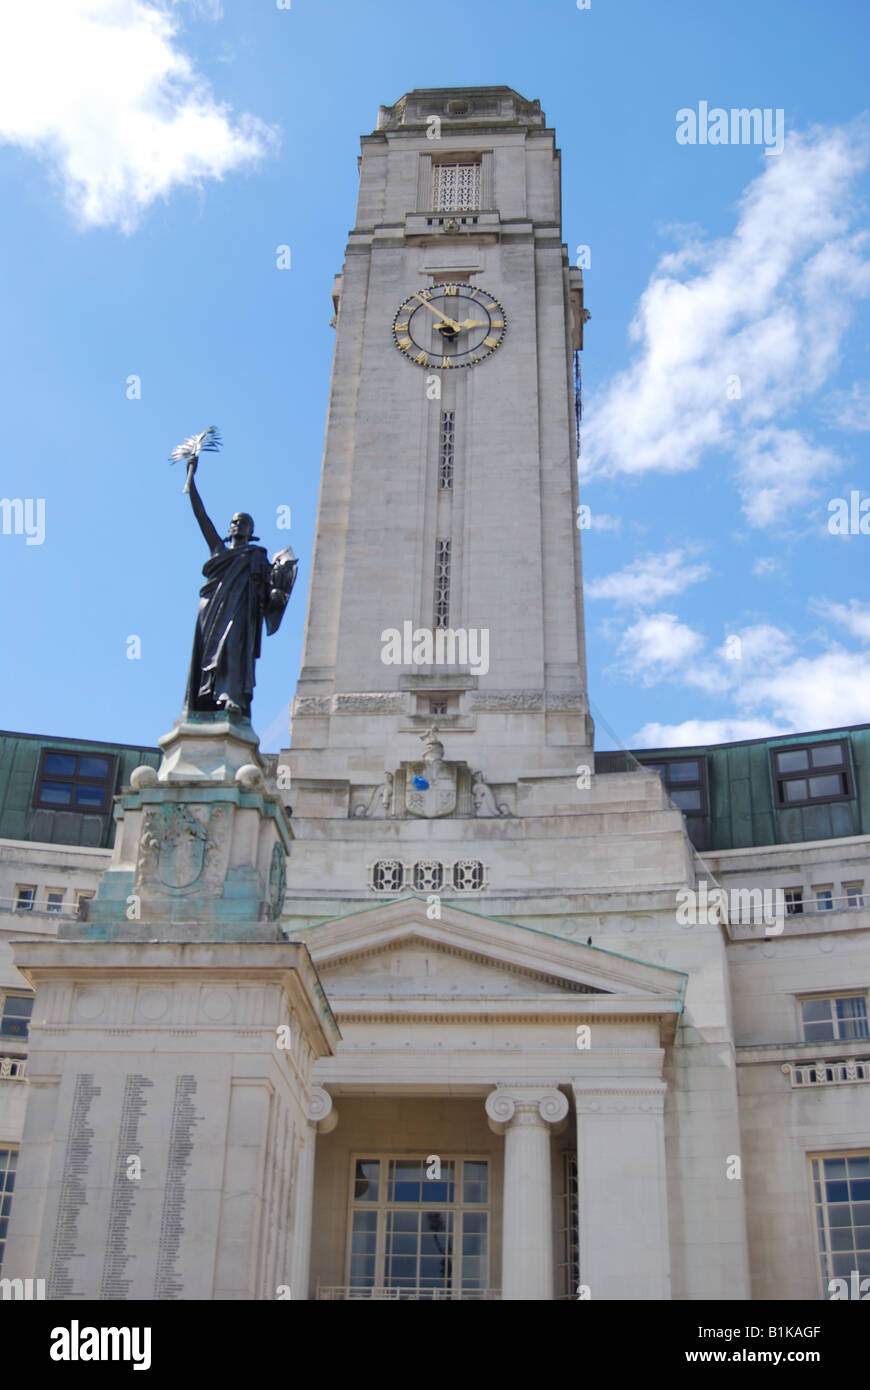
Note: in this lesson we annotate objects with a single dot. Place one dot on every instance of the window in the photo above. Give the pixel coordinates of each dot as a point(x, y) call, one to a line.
point(794, 901)
point(438, 706)
point(25, 897)
point(388, 875)
point(15, 1018)
point(420, 1226)
point(456, 186)
point(685, 783)
point(834, 1018)
point(854, 893)
point(74, 781)
point(467, 874)
point(824, 896)
point(816, 772)
point(8, 1160)
point(428, 876)
point(445, 450)
point(54, 899)
point(569, 1227)
point(442, 583)
point(83, 896)
point(841, 1197)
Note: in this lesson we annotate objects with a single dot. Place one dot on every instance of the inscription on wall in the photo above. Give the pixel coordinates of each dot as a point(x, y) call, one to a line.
point(125, 1187)
point(167, 1281)
point(61, 1279)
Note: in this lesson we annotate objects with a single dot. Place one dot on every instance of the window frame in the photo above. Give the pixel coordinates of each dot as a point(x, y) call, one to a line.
point(700, 784)
point(842, 769)
point(6, 1191)
point(832, 996)
point(15, 1039)
point(75, 779)
point(827, 1255)
point(22, 904)
point(382, 1206)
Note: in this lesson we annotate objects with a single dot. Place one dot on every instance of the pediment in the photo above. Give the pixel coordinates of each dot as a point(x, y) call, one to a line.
point(396, 952)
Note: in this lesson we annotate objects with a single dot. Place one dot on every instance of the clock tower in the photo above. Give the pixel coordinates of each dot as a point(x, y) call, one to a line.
point(445, 584)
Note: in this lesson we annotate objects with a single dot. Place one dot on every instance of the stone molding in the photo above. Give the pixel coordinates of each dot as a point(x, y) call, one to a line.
point(507, 700)
point(613, 1098)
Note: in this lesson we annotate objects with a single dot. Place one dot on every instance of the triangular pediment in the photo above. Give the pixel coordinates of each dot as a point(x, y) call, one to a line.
point(398, 952)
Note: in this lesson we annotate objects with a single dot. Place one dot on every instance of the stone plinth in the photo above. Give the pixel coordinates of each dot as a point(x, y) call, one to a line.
point(200, 840)
point(170, 1101)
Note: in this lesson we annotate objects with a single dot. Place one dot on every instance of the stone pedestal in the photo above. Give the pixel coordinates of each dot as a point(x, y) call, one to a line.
point(200, 840)
point(170, 1101)
point(524, 1115)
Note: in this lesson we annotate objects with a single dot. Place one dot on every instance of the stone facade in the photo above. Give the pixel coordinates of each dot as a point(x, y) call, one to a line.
point(521, 1067)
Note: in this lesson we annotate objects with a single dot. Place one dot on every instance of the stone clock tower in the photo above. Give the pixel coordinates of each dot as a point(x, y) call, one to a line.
point(449, 497)
point(492, 918)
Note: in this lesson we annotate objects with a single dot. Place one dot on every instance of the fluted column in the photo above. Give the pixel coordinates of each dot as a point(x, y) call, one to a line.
point(524, 1115)
point(322, 1118)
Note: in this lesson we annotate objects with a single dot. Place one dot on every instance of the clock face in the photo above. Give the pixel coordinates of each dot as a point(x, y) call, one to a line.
point(445, 326)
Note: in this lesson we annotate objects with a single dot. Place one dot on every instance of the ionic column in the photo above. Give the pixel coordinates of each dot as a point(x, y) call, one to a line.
point(524, 1115)
point(322, 1119)
point(623, 1202)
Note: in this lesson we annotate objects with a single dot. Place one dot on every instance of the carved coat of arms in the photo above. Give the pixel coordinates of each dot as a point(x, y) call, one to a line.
point(174, 846)
point(430, 786)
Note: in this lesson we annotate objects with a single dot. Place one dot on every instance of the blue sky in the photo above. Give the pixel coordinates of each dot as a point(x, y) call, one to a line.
point(152, 158)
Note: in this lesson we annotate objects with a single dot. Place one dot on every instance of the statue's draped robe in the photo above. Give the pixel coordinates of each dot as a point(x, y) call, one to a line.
point(226, 643)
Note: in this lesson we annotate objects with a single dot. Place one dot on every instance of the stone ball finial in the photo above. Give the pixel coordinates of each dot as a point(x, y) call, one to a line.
point(250, 777)
point(143, 776)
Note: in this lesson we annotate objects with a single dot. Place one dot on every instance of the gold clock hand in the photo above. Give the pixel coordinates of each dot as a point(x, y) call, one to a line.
point(472, 323)
point(432, 309)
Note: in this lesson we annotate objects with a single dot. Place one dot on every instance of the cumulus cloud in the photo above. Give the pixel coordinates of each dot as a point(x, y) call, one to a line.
point(601, 521)
point(817, 692)
point(760, 670)
point(701, 731)
point(656, 646)
point(854, 616)
point(721, 333)
point(647, 580)
point(101, 91)
point(850, 410)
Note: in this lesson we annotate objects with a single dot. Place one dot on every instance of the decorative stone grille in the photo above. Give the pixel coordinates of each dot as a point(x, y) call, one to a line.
point(442, 583)
point(455, 187)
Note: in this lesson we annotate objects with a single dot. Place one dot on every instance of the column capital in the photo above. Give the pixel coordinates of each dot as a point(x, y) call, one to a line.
point(606, 1096)
point(511, 1104)
point(320, 1111)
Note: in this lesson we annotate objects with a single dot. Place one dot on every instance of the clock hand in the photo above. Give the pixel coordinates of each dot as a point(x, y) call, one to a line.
point(472, 323)
point(432, 309)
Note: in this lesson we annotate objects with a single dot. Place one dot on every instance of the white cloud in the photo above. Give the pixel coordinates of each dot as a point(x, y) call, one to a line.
point(722, 333)
point(854, 616)
point(765, 565)
point(648, 579)
point(100, 90)
point(851, 409)
point(814, 692)
point(777, 471)
point(701, 731)
point(656, 646)
point(601, 521)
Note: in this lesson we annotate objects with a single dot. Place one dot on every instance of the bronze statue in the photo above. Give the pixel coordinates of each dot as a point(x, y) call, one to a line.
point(243, 589)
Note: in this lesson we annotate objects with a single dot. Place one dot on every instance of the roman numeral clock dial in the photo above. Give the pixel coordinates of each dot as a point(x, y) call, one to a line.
point(445, 326)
